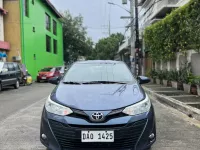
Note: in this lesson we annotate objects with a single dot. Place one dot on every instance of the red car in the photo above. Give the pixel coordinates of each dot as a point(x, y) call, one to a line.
point(46, 73)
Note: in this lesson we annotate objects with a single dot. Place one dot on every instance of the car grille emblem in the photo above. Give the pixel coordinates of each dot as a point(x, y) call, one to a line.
point(97, 116)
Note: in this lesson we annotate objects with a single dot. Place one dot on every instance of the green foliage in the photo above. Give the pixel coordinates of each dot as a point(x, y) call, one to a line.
point(75, 40)
point(185, 73)
point(152, 73)
point(107, 48)
point(179, 31)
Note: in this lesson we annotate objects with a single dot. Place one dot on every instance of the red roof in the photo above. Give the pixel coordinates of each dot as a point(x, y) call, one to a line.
point(53, 8)
point(4, 45)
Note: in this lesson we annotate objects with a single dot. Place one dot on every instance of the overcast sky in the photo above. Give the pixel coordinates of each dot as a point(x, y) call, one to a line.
point(96, 15)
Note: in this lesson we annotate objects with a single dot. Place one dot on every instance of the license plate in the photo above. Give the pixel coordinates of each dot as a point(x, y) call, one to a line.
point(44, 78)
point(97, 136)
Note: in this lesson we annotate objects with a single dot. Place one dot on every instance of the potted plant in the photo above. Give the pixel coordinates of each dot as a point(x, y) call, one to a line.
point(186, 78)
point(165, 78)
point(159, 77)
point(152, 74)
point(169, 78)
point(195, 85)
point(174, 78)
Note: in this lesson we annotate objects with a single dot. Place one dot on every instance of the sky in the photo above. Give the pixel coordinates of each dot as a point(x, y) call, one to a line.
point(96, 15)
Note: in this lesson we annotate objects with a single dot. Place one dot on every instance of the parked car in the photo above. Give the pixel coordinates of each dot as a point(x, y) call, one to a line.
point(10, 75)
point(98, 105)
point(46, 73)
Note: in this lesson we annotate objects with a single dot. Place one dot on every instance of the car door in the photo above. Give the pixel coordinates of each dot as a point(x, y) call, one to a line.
point(12, 77)
point(4, 75)
point(18, 73)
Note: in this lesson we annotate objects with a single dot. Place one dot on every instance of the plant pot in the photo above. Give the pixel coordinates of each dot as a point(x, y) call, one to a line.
point(169, 84)
point(180, 86)
point(175, 84)
point(165, 82)
point(194, 89)
point(187, 87)
point(157, 81)
point(198, 90)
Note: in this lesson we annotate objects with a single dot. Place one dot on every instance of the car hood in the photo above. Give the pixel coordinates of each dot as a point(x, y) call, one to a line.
point(98, 96)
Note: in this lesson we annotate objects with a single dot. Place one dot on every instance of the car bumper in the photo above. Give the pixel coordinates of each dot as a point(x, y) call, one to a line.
point(131, 132)
point(43, 79)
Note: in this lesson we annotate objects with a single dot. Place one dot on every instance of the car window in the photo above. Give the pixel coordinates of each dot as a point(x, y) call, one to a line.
point(11, 67)
point(1, 66)
point(117, 72)
point(16, 66)
point(5, 66)
point(50, 69)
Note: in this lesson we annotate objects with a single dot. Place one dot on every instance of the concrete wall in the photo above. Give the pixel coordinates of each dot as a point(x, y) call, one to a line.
point(191, 57)
point(12, 27)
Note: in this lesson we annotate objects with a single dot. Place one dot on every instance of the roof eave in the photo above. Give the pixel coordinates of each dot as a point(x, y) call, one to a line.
point(53, 9)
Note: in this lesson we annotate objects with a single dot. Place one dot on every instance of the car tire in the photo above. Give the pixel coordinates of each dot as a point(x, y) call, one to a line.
point(0, 87)
point(16, 86)
point(38, 81)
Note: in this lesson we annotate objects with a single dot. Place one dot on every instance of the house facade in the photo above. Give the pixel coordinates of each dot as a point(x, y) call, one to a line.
point(34, 30)
point(4, 45)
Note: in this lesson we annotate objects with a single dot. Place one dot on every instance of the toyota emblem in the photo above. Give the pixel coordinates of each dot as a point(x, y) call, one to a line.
point(97, 116)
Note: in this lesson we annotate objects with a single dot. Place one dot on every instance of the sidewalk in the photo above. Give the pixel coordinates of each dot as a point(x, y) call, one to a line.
point(184, 102)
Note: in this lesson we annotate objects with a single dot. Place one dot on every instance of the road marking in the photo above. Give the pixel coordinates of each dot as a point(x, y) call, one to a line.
point(21, 110)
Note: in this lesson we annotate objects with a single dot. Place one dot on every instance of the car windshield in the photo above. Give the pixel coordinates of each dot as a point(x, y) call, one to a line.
point(106, 72)
point(48, 69)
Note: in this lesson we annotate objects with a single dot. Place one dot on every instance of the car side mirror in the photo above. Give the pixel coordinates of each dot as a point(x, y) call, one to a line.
point(55, 80)
point(143, 80)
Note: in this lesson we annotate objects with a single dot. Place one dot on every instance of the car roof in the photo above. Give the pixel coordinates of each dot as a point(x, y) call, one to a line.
point(99, 62)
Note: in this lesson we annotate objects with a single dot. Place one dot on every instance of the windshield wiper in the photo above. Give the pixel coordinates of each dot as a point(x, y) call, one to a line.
point(71, 82)
point(104, 82)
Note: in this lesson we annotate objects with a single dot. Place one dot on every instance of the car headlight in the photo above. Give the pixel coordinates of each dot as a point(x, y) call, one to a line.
point(56, 108)
point(138, 108)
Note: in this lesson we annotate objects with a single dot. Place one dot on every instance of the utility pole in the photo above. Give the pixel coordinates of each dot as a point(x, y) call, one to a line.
point(132, 37)
point(109, 28)
point(137, 42)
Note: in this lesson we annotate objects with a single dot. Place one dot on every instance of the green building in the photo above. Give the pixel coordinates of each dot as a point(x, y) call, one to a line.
point(34, 30)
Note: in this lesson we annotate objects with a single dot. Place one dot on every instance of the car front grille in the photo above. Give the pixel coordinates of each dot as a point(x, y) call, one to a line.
point(125, 137)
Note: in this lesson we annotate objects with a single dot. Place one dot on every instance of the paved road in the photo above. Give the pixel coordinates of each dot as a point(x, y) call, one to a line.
point(12, 100)
point(20, 131)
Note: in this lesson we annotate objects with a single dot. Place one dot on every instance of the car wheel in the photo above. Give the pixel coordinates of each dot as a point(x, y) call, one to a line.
point(16, 86)
point(38, 81)
point(0, 87)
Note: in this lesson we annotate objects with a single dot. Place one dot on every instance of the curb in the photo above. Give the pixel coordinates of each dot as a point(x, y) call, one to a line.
point(188, 110)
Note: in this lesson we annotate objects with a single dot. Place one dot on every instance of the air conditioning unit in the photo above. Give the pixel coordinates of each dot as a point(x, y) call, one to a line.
point(16, 58)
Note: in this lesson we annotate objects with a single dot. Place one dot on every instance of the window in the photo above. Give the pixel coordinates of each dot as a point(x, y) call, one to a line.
point(55, 47)
point(16, 66)
point(54, 27)
point(5, 66)
point(33, 2)
point(11, 67)
point(26, 8)
point(48, 44)
point(50, 69)
point(48, 22)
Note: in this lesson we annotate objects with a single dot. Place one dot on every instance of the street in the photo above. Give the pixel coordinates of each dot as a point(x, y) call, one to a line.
point(20, 113)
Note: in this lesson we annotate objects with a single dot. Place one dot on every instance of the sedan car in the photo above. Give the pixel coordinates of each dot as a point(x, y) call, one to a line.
point(46, 73)
point(98, 105)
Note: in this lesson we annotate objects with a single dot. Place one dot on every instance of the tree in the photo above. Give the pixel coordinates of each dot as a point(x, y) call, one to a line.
point(76, 42)
point(107, 48)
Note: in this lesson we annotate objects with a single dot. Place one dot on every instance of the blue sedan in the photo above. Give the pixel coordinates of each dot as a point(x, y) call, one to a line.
point(98, 105)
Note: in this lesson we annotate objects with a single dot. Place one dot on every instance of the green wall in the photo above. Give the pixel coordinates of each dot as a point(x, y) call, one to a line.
point(35, 42)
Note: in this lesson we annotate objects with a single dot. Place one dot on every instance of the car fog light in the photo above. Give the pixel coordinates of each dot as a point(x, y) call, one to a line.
point(152, 136)
point(44, 137)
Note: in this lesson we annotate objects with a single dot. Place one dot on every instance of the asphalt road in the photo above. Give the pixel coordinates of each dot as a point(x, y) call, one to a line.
point(20, 113)
point(12, 100)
